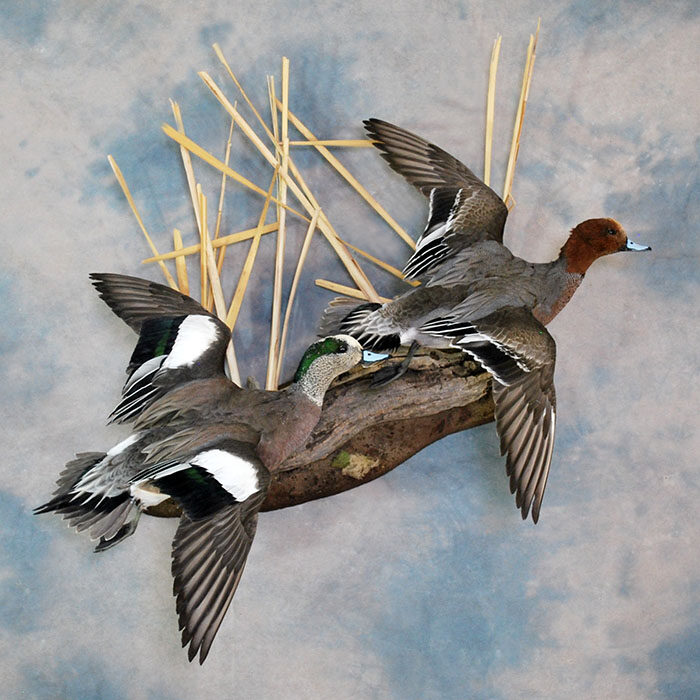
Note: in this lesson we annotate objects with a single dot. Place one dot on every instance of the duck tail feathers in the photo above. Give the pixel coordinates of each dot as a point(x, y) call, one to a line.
point(338, 311)
point(71, 475)
point(107, 518)
point(345, 315)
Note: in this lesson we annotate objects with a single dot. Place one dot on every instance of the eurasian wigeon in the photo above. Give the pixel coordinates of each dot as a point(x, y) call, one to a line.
point(478, 297)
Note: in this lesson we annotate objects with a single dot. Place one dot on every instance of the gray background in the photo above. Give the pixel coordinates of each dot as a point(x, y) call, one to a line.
point(425, 583)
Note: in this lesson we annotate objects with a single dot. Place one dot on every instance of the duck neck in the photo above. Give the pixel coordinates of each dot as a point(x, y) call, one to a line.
point(314, 380)
point(577, 255)
point(558, 286)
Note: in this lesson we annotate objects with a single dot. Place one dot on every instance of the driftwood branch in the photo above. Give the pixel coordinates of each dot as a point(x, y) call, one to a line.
point(365, 432)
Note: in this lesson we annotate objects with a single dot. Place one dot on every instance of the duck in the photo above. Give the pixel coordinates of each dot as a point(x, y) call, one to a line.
point(476, 296)
point(196, 438)
point(179, 341)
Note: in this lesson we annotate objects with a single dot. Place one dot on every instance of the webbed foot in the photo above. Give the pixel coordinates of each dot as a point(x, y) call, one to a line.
point(386, 375)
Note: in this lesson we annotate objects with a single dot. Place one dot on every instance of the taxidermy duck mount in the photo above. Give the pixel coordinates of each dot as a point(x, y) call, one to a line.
point(363, 432)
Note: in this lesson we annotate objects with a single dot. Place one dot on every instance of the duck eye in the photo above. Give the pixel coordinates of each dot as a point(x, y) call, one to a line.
point(611, 232)
point(343, 347)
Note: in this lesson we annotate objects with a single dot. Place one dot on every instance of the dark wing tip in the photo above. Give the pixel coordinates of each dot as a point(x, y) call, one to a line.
point(204, 584)
point(135, 299)
point(468, 210)
point(101, 280)
point(371, 122)
point(191, 651)
point(532, 510)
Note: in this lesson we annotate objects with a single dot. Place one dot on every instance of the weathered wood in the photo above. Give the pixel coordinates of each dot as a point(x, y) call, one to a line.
point(364, 432)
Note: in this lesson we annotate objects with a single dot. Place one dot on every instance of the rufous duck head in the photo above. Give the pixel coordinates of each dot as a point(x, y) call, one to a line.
point(593, 238)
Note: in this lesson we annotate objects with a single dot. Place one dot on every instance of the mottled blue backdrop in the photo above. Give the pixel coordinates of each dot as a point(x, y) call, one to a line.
point(424, 584)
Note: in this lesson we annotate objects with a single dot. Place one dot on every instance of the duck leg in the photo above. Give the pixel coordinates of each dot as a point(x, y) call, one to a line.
point(389, 374)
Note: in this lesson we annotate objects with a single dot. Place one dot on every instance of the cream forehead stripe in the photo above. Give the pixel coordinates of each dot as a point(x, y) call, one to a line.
point(236, 475)
point(194, 337)
point(349, 340)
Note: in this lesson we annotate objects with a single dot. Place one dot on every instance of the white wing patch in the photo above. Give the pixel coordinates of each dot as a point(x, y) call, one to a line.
point(444, 328)
point(454, 209)
point(234, 474)
point(148, 367)
point(195, 336)
point(436, 232)
point(430, 203)
point(463, 344)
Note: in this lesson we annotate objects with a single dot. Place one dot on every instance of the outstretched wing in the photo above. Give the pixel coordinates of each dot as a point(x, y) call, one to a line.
point(134, 299)
point(179, 340)
point(220, 490)
point(463, 210)
point(520, 354)
point(208, 560)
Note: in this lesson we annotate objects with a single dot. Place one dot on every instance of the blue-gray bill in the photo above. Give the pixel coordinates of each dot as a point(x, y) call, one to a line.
point(635, 246)
point(369, 357)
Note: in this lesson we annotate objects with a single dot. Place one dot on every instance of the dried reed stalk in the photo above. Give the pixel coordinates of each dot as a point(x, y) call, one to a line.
point(273, 109)
point(209, 260)
point(180, 264)
point(292, 292)
point(490, 106)
point(132, 204)
point(353, 182)
point(202, 220)
point(380, 263)
point(347, 291)
point(273, 356)
point(345, 143)
point(230, 239)
point(350, 263)
point(222, 192)
point(274, 118)
point(187, 165)
point(242, 285)
point(519, 117)
point(275, 125)
point(207, 157)
point(220, 55)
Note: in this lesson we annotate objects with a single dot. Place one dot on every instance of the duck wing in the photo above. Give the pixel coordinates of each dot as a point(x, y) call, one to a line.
point(520, 354)
point(463, 210)
point(134, 299)
point(220, 490)
point(178, 341)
